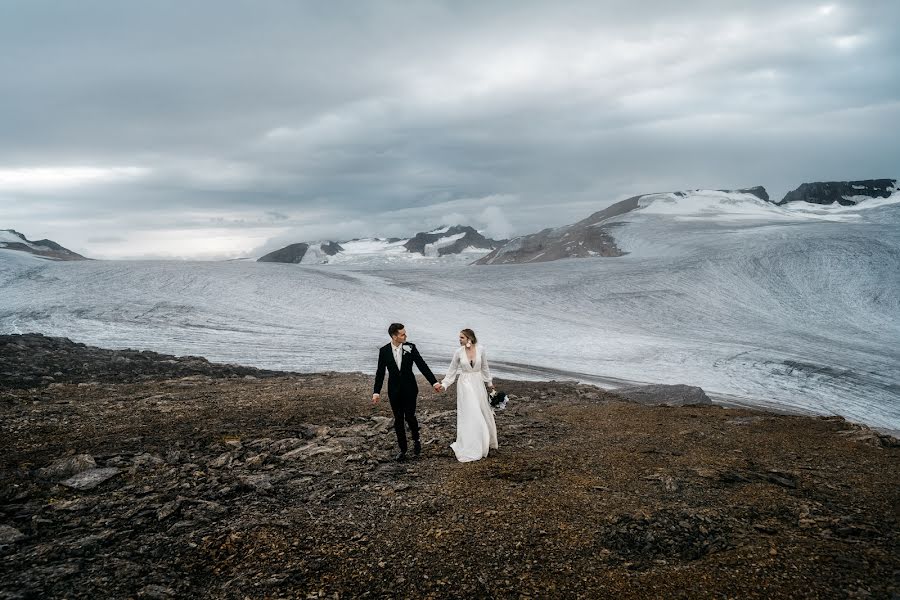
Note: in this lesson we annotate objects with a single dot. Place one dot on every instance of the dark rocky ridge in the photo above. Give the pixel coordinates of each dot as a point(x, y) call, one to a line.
point(34, 360)
point(829, 192)
point(293, 253)
point(201, 487)
point(44, 248)
point(471, 238)
point(331, 248)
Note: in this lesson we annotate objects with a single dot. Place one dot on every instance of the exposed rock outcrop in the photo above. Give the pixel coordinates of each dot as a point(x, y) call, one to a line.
point(470, 239)
point(664, 395)
point(11, 239)
point(845, 193)
point(293, 253)
point(330, 248)
point(585, 238)
point(33, 360)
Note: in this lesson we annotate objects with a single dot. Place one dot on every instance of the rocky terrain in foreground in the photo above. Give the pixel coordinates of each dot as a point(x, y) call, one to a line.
point(231, 485)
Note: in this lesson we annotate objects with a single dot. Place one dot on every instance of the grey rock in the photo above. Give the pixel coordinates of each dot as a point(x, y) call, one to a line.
point(10, 535)
point(348, 441)
point(222, 461)
point(383, 424)
point(70, 465)
point(88, 480)
point(147, 460)
point(256, 461)
point(168, 509)
point(309, 450)
point(260, 483)
point(285, 444)
point(663, 395)
point(156, 592)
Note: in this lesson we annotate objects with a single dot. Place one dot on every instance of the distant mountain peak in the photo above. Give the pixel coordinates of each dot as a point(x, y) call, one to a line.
point(456, 239)
point(845, 193)
point(10, 239)
point(438, 242)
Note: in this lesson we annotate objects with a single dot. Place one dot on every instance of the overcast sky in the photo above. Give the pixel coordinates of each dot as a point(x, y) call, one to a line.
point(227, 128)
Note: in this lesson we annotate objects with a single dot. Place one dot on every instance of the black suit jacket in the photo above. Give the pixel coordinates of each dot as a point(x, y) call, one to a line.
point(402, 381)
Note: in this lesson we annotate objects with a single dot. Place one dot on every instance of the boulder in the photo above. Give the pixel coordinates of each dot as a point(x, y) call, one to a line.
point(88, 480)
point(663, 395)
point(70, 465)
point(10, 535)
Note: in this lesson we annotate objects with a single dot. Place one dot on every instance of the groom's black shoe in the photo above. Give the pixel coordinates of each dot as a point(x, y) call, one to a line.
point(417, 448)
point(401, 457)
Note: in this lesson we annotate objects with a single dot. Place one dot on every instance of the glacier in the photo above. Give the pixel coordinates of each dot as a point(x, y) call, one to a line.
point(793, 308)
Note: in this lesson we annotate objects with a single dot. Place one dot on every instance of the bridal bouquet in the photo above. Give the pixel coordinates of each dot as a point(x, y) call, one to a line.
point(498, 399)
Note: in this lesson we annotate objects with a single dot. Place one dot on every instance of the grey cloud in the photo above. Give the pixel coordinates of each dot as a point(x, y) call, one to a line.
point(379, 114)
point(112, 239)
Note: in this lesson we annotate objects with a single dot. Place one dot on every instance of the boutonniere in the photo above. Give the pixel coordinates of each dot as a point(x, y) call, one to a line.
point(406, 348)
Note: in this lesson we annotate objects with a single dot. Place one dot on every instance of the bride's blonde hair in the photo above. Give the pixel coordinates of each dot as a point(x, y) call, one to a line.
point(470, 335)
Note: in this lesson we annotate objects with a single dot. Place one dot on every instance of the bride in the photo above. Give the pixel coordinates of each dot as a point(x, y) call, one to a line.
point(476, 432)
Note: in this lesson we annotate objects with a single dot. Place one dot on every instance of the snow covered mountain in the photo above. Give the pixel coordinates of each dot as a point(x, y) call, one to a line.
point(602, 233)
point(456, 241)
point(13, 240)
point(845, 193)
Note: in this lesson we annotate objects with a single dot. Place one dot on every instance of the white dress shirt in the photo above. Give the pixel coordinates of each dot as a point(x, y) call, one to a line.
point(398, 354)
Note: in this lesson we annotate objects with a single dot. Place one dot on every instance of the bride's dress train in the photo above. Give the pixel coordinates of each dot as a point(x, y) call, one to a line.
point(476, 432)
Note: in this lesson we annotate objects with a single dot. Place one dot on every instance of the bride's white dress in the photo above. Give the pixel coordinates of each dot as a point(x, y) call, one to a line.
point(476, 432)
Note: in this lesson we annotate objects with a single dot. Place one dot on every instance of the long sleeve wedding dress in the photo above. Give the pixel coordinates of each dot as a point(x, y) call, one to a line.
point(476, 432)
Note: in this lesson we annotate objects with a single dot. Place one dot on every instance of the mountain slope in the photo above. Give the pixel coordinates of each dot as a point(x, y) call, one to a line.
point(13, 240)
point(583, 239)
point(608, 233)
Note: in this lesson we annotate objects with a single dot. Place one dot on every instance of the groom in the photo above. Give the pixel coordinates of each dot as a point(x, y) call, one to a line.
point(398, 358)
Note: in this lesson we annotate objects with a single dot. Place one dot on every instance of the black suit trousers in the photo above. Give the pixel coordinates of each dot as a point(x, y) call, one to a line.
point(404, 407)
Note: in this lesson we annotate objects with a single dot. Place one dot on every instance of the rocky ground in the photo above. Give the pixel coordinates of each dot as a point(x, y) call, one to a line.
point(144, 482)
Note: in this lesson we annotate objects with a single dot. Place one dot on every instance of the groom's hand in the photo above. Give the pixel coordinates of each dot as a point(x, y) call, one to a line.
point(438, 387)
point(376, 398)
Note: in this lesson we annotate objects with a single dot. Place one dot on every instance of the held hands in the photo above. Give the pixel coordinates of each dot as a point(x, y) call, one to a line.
point(376, 398)
point(438, 387)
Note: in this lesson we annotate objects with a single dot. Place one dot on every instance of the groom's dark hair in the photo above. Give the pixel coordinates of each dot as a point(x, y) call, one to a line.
point(394, 328)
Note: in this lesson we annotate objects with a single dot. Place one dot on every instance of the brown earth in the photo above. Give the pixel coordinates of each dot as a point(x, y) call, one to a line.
point(284, 487)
